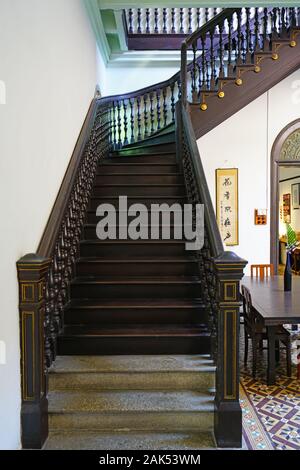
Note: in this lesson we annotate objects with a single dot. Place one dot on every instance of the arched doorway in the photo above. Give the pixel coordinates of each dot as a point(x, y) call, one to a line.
point(285, 153)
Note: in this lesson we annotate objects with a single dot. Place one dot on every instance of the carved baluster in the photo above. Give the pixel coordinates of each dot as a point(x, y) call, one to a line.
point(283, 21)
point(248, 36)
point(156, 20)
point(131, 103)
point(151, 111)
point(165, 20)
point(194, 72)
point(221, 50)
point(206, 15)
point(145, 116)
point(203, 43)
point(212, 60)
point(173, 30)
point(181, 13)
point(114, 125)
point(125, 122)
point(139, 118)
point(239, 39)
point(198, 17)
point(172, 102)
point(139, 17)
point(158, 109)
point(165, 106)
point(229, 68)
point(256, 25)
point(274, 15)
point(190, 16)
point(130, 20)
point(119, 124)
point(147, 20)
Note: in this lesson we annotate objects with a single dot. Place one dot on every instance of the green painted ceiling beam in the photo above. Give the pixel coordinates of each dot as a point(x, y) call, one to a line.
point(119, 4)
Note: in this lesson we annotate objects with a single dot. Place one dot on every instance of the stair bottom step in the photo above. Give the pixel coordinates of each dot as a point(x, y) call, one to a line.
point(179, 421)
point(129, 441)
point(111, 345)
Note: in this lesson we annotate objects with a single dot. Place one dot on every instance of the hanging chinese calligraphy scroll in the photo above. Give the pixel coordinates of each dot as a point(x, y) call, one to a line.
point(227, 205)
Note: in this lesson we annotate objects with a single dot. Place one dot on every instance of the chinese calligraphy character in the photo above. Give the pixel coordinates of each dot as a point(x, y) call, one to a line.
point(227, 195)
point(227, 222)
point(227, 182)
point(228, 209)
point(228, 235)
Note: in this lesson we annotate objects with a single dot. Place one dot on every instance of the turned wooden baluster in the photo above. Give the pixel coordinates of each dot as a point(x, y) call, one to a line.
point(212, 59)
point(198, 17)
point(221, 50)
point(139, 18)
point(256, 26)
point(248, 36)
point(114, 125)
point(173, 30)
point(172, 87)
point(119, 124)
point(206, 15)
point(238, 42)
point(190, 16)
point(145, 116)
point(229, 61)
point(265, 28)
point(274, 18)
point(139, 118)
point(203, 44)
point(151, 111)
point(158, 109)
point(181, 13)
point(131, 103)
point(125, 121)
point(283, 21)
point(156, 20)
point(194, 72)
point(130, 19)
point(165, 21)
point(165, 106)
point(147, 20)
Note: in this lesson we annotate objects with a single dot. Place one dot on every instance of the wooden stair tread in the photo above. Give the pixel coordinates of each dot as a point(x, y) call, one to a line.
point(179, 259)
point(139, 280)
point(133, 330)
point(135, 303)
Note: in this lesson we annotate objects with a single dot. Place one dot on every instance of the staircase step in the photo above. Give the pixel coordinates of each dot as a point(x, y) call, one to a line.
point(158, 149)
point(137, 267)
point(96, 373)
point(147, 201)
point(138, 190)
point(139, 311)
point(79, 440)
point(137, 167)
point(162, 157)
point(131, 411)
point(135, 249)
point(132, 287)
point(90, 230)
point(134, 339)
point(139, 178)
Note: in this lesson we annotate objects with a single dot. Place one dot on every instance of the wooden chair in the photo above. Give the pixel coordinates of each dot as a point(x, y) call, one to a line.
point(257, 333)
point(262, 270)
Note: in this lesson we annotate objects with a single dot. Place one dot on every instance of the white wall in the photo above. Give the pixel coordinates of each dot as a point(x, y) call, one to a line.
point(48, 65)
point(244, 141)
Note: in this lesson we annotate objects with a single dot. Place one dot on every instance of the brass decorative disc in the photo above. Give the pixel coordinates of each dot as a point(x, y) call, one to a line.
point(203, 107)
point(275, 56)
point(257, 69)
point(221, 94)
point(239, 82)
point(293, 44)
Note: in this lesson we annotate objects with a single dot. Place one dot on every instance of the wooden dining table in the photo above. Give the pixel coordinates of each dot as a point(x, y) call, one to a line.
point(275, 307)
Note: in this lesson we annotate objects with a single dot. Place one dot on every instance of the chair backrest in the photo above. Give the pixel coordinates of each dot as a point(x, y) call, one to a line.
point(262, 270)
point(250, 317)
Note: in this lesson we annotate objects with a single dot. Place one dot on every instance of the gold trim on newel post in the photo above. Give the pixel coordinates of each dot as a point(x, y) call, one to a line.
point(32, 273)
point(229, 269)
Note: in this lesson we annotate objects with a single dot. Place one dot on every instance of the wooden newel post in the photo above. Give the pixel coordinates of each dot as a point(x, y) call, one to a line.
point(32, 271)
point(228, 415)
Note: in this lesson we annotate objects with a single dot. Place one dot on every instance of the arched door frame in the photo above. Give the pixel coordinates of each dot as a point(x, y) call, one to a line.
point(276, 162)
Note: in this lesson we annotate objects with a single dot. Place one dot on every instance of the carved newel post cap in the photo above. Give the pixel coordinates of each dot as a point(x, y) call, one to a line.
point(33, 258)
point(230, 260)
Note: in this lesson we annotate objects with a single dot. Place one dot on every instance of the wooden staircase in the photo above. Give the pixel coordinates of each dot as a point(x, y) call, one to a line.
point(135, 297)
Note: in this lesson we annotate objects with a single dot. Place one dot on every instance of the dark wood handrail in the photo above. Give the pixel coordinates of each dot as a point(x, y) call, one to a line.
point(210, 217)
point(53, 225)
